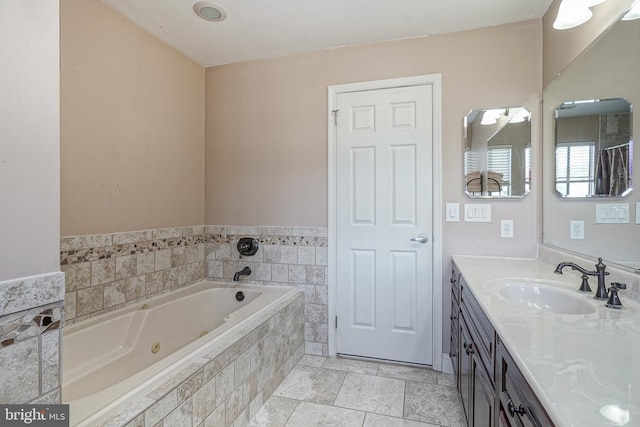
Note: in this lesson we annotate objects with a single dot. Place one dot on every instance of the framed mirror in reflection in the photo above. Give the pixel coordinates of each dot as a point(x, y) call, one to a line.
point(594, 148)
point(592, 164)
point(497, 152)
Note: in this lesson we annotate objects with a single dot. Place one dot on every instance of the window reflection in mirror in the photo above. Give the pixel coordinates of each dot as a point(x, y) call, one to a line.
point(593, 148)
point(497, 152)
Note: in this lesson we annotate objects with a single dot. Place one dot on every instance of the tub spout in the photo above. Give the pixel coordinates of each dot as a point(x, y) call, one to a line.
point(244, 272)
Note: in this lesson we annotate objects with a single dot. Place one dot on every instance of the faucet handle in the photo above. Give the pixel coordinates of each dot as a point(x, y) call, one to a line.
point(614, 300)
point(584, 287)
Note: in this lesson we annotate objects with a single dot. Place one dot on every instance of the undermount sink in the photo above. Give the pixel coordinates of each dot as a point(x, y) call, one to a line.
point(545, 297)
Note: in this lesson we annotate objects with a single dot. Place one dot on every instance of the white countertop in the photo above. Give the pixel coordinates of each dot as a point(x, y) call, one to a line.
point(581, 366)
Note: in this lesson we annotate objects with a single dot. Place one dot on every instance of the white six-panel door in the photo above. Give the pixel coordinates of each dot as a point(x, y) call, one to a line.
point(383, 201)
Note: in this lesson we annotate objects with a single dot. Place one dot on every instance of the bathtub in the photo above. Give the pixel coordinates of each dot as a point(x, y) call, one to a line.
point(108, 358)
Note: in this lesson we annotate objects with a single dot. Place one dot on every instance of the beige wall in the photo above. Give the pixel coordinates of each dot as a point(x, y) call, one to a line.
point(29, 138)
point(131, 126)
point(266, 130)
point(266, 126)
point(562, 47)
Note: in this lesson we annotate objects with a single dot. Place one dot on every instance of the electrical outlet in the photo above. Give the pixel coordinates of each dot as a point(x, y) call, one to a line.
point(506, 228)
point(577, 230)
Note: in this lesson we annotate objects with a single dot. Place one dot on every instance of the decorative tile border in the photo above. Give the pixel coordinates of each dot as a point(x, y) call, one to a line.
point(19, 327)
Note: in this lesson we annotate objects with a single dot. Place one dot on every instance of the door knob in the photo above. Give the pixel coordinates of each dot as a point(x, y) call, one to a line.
point(422, 238)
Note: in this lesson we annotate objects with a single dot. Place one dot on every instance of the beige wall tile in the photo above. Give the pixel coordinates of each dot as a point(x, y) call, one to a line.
point(126, 266)
point(146, 263)
point(89, 300)
point(77, 276)
point(20, 371)
point(103, 271)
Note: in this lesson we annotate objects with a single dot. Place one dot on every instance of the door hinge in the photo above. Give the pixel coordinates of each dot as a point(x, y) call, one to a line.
point(335, 116)
point(336, 322)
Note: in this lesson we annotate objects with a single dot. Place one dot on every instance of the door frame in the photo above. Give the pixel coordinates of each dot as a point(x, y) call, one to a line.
point(435, 81)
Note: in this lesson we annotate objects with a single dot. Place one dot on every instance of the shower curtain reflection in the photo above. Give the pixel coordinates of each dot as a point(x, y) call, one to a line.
point(612, 171)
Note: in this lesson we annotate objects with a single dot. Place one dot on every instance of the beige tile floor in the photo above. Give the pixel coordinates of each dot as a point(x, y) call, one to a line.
point(321, 391)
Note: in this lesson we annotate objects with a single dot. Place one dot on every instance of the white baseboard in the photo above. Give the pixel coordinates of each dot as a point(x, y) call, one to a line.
point(447, 364)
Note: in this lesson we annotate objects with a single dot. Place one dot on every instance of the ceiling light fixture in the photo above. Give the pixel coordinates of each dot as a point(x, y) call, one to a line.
point(209, 11)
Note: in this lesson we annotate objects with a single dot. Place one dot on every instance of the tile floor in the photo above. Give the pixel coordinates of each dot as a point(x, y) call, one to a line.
point(321, 391)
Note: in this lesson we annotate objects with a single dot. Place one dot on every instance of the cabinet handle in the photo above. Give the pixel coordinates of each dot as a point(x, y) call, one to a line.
point(453, 317)
point(452, 354)
point(513, 409)
point(469, 348)
point(452, 280)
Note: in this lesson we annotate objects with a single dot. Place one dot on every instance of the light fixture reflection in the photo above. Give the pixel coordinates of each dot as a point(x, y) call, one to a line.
point(633, 13)
point(571, 13)
point(615, 414)
point(520, 116)
point(490, 117)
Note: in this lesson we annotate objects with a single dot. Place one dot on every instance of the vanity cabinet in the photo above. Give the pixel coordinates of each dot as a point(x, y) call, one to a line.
point(518, 404)
point(472, 354)
point(492, 389)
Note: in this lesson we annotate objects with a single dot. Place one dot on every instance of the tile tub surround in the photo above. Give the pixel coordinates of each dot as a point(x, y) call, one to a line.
point(105, 272)
point(109, 271)
point(348, 392)
point(228, 384)
point(30, 317)
point(295, 256)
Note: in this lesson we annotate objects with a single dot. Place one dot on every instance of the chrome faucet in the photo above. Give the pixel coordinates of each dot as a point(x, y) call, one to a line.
point(601, 292)
point(244, 272)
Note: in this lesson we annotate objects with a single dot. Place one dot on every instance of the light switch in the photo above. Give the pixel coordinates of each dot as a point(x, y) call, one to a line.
point(612, 213)
point(474, 212)
point(453, 212)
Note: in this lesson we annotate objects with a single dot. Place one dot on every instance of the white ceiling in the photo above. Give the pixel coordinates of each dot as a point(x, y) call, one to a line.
point(257, 29)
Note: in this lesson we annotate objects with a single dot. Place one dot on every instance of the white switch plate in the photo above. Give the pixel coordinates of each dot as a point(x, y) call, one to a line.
point(453, 212)
point(506, 228)
point(475, 212)
point(577, 230)
point(612, 213)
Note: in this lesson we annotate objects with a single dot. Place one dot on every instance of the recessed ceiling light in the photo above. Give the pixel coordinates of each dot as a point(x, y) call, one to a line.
point(209, 11)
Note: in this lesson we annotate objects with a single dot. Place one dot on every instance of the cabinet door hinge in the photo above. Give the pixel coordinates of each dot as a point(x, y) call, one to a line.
point(335, 116)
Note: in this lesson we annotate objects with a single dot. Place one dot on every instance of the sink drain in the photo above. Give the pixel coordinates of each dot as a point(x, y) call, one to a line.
point(155, 347)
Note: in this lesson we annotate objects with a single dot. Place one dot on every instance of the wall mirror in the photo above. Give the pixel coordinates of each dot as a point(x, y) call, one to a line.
point(497, 152)
point(606, 70)
point(594, 148)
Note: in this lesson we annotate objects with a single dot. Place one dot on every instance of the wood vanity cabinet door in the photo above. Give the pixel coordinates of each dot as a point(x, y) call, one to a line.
point(454, 345)
point(483, 395)
point(503, 421)
point(515, 393)
point(466, 370)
